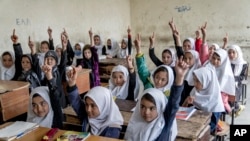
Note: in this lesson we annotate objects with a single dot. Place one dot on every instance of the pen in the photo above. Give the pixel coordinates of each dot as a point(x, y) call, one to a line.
point(19, 135)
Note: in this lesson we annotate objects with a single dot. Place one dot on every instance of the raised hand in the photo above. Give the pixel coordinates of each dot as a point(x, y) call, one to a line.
point(47, 69)
point(129, 30)
point(171, 24)
point(72, 76)
point(14, 37)
point(203, 29)
point(152, 40)
point(65, 33)
point(181, 68)
point(90, 32)
point(50, 32)
point(225, 41)
point(137, 43)
point(32, 46)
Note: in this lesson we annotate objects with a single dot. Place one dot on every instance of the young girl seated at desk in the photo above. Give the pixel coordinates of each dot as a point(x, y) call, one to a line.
point(30, 69)
point(154, 114)
point(99, 113)
point(126, 46)
point(206, 94)
point(44, 104)
point(123, 83)
point(221, 63)
point(168, 55)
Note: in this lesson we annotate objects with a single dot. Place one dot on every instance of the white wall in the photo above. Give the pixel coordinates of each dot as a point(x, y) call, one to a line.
point(110, 18)
point(222, 16)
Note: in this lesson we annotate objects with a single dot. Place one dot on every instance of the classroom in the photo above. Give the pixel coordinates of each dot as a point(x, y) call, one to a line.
point(112, 19)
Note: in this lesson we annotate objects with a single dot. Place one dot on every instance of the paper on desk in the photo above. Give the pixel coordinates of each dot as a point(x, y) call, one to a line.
point(133, 109)
point(17, 128)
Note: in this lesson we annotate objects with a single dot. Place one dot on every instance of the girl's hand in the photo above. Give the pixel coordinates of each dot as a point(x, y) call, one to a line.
point(90, 32)
point(171, 24)
point(47, 69)
point(129, 30)
point(225, 39)
point(181, 68)
point(152, 40)
point(72, 76)
point(14, 37)
point(50, 32)
point(32, 46)
point(203, 29)
point(137, 43)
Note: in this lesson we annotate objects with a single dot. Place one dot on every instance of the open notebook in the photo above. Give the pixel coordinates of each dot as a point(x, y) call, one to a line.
point(16, 130)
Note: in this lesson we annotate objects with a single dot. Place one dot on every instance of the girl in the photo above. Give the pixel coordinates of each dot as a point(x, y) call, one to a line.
point(112, 48)
point(206, 94)
point(154, 115)
point(221, 63)
point(44, 106)
point(29, 66)
point(187, 44)
point(78, 53)
point(7, 66)
point(58, 71)
point(90, 61)
point(239, 67)
point(168, 55)
point(161, 78)
point(99, 113)
point(191, 57)
point(122, 82)
point(98, 44)
point(126, 46)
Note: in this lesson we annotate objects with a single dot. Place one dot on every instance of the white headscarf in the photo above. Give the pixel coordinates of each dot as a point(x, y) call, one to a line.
point(173, 54)
point(166, 88)
point(197, 64)
point(191, 40)
point(239, 61)
point(114, 48)
point(215, 45)
point(109, 112)
point(32, 117)
point(209, 98)
point(224, 73)
point(59, 46)
point(120, 92)
point(140, 130)
point(7, 73)
point(123, 53)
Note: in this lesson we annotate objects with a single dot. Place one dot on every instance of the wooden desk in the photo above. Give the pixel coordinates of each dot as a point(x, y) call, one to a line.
point(106, 66)
point(37, 134)
point(196, 128)
point(14, 99)
point(82, 82)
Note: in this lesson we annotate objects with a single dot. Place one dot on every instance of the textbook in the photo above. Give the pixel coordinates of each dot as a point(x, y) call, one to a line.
point(184, 113)
point(16, 130)
point(73, 136)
